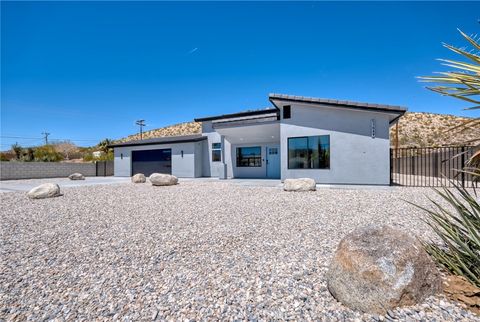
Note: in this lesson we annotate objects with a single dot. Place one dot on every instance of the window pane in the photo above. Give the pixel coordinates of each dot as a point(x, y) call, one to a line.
point(216, 145)
point(319, 151)
point(298, 153)
point(216, 155)
point(249, 157)
point(311, 152)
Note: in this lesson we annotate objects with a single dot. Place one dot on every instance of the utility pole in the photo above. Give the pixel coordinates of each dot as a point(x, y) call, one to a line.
point(140, 123)
point(46, 134)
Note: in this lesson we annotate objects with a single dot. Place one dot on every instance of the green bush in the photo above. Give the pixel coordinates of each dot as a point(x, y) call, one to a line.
point(47, 153)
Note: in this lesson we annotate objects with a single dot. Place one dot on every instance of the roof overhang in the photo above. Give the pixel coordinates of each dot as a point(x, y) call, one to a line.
point(394, 112)
point(241, 115)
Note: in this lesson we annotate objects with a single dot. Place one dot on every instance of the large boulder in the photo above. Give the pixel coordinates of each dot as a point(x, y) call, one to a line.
point(139, 178)
point(46, 190)
point(379, 268)
point(161, 179)
point(301, 184)
point(76, 176)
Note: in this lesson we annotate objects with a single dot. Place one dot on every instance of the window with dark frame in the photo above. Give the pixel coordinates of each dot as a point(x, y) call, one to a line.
point(309, 152)
point(249, 156)
point(287, 111)
point(216, 152)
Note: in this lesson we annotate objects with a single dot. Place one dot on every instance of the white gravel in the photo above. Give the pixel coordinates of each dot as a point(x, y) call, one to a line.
point(198, 250)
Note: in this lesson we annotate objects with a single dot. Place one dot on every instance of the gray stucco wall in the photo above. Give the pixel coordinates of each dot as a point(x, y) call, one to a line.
point(355, 157)
point(38, 170)
point(210, 168)
point(188, 166)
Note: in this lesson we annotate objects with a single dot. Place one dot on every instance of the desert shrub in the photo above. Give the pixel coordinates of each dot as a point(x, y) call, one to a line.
point(47, 153)
point(459, 228)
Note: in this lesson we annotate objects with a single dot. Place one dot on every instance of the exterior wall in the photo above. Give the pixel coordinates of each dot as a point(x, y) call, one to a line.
point(355, 157)
point(187, 166)
point(210, 168)
point(38, 170)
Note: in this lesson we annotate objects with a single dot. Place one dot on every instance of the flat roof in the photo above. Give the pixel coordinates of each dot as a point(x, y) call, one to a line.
point(239, 114)
point(340, 103)
point(162, 140)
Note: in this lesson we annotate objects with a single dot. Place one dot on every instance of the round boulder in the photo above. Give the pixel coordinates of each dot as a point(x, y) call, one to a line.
point(301, 184)
point(46, 190)
point(376, 269)
point(139, 178)
point(76, 176)
point(161, 179)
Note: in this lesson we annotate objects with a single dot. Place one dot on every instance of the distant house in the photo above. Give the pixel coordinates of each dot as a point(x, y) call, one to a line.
point(97, 154)
point(333, 142)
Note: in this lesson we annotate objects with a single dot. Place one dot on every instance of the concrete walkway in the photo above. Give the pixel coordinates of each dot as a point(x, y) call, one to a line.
point(27, 184)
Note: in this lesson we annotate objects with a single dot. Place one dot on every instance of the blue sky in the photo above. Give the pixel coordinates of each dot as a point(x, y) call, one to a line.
point(87, 71)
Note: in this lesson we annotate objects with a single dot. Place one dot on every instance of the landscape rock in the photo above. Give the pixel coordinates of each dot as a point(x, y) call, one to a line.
point(76, 176)
point(46, 190)
point(376, 269)
point(461, 290)
point(139, 178)
point(301, 184)
point(161, 179)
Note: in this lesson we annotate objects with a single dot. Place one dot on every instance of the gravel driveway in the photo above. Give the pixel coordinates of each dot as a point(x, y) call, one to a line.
point(198, 250)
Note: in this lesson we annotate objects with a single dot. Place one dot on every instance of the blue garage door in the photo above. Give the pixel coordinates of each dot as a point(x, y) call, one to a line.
point(151, 161)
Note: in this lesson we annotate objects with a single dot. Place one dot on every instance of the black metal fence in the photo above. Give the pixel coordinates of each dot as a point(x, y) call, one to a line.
point(430, 167)
point(104, 168)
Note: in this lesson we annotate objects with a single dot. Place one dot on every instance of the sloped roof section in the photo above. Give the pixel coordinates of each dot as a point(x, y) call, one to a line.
point(162, 140)
point(340, 103)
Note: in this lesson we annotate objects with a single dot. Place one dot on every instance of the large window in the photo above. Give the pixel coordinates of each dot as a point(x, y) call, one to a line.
point(216, 152)
point(309, 152)
point(249, 157)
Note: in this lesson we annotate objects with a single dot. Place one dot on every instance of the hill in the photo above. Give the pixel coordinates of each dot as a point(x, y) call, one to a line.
point(415, 129)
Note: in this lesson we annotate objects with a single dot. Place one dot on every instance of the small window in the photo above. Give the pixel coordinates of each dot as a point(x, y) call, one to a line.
point(309, 152)
point(216, 152)
point(287, 111)
point(249, 157)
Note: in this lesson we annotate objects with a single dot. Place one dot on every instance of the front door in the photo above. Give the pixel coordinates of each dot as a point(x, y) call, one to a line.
point(273, 161)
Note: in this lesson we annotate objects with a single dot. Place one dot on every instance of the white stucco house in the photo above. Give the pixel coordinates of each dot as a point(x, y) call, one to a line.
point(331, 141)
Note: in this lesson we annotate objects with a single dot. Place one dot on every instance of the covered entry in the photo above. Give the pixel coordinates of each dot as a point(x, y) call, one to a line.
point(151, 161)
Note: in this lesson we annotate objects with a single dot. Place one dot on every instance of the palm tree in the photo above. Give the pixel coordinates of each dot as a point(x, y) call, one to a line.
point(104, 145)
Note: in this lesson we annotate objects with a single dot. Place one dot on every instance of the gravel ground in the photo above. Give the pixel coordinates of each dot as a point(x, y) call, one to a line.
point(198, 251)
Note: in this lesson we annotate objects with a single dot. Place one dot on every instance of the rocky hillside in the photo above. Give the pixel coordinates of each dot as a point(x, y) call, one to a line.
point(415, 129)
point(171, 130)
point(428, 129)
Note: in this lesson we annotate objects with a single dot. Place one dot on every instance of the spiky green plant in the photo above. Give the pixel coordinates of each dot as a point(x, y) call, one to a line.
point(458, 225)
point(464, 82)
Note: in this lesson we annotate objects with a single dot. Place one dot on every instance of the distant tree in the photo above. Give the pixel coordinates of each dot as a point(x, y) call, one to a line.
point(67, 148)
point(104, 145)
point(18, 150)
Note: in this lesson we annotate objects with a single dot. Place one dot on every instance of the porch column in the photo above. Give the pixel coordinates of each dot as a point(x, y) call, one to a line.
point(223, 174)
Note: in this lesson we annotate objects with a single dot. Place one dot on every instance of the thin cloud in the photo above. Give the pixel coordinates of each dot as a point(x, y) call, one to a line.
point(192, 51)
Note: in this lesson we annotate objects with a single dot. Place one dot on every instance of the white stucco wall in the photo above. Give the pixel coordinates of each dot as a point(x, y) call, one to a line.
point(355, 157)
point(188, 166)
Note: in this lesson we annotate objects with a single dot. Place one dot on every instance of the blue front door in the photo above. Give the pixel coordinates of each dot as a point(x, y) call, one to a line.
point(273, 161)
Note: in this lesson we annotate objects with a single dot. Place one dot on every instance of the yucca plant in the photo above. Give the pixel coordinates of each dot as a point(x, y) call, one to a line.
point(458, 225)
point(459, 228)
